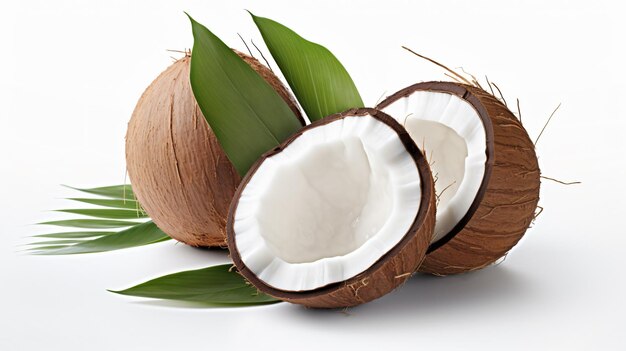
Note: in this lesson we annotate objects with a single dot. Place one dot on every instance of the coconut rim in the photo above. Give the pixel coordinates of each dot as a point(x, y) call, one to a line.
point(426, 186)
point(464, 94)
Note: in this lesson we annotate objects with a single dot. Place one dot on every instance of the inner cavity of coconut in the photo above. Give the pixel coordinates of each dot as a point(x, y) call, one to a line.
point(337, 198)
point(452, 136)
point(328, 206)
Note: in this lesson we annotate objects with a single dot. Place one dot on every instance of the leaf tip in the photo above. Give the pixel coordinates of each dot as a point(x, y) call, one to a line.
point(255, 18)
point(194, 23)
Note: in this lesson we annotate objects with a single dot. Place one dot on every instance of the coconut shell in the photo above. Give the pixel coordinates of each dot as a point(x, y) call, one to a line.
point(507, 198)
point(391, 270)
point(180, 174)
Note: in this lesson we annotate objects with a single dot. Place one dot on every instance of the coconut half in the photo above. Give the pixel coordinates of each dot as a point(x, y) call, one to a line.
point(339, 214)
point(485, 169)
point(179, 172)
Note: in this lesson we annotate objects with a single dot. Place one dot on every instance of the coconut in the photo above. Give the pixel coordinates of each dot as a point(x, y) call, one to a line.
point(485, 168)
point(180, 174)
point(339, 214)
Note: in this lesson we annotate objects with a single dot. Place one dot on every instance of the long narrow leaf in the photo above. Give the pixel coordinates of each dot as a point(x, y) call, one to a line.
point(113, 192)
point(138, 235)
point(320, 82)
point(44, 248)
point(90, 223)
point(213, 285)
point(73, 235)
point(54, 242)
point(246, 114)
point(113, 203)
point(117, 208)
point(107, 213)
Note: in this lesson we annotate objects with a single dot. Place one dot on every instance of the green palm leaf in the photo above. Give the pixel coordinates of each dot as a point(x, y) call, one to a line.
point(246, 114)
point(73, 235)
point(114, 191)
point(217, 285)
point(115, 214)
point(113, 203)
point(319, 81)
point(138, 235)
point(62, 242)
point(107, 213)
point(48, 248)
point(90, 223)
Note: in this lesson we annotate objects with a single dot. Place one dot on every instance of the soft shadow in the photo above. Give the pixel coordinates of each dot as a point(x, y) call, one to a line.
point(210, 249)
point(193, 305)
point(178, 249)
point(198, 249)
point(426, 296)
point(170, 256)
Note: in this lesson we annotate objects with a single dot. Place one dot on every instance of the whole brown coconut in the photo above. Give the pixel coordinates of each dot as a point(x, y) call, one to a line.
point(506, 201)
point(179, 173)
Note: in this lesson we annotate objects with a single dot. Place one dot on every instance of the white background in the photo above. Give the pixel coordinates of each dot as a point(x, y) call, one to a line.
point(71, 72)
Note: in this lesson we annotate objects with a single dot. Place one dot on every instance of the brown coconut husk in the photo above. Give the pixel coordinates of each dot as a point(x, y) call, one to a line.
point(507, 199)
point(391, 270)
point(180, 174)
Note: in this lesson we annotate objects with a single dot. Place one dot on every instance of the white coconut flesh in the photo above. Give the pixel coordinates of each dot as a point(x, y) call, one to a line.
point(452, 136)
point(328, 206)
